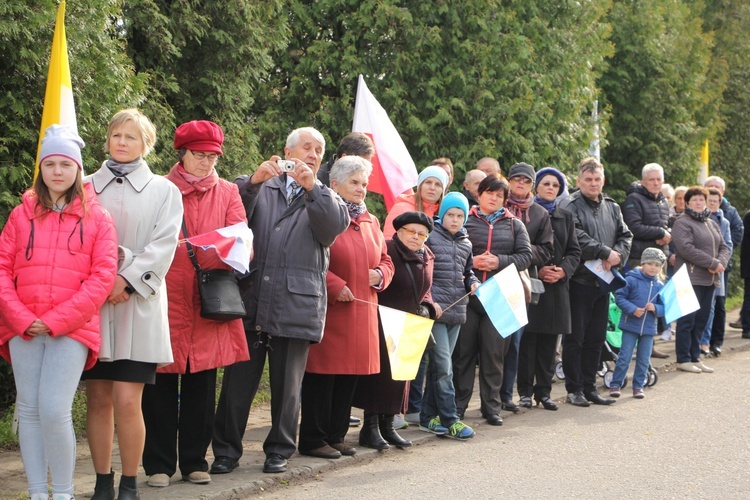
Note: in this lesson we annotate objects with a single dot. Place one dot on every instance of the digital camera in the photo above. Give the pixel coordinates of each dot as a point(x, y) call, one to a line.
point(286, 165)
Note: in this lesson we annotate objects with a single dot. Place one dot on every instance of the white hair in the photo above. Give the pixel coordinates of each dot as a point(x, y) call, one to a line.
point(717, 179)
point(348, 165)
point(652, 167)
point(293, 138)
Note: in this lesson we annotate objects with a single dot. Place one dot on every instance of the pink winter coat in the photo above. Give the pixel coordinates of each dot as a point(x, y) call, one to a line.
point(406, 202)
point(350, 344)
point(209, 204)
point(59, 268)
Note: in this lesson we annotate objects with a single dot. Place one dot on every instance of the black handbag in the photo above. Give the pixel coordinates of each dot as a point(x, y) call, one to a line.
point(218, 288)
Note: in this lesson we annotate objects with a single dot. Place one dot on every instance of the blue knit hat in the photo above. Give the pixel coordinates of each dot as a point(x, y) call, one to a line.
point(454, 200)
point(436, 172)
point(61, 140)
point(552, 171)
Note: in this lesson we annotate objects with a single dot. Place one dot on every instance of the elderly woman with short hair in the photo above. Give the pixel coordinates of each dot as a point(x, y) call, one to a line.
point(359, 268)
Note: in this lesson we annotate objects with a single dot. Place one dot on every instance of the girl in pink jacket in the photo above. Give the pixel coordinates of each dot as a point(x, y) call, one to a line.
point(58, 261)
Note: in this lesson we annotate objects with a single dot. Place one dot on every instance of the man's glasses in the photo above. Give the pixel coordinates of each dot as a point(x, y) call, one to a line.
point(203, 156)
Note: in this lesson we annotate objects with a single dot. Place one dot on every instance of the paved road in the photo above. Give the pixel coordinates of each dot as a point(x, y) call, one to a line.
point(690, 438)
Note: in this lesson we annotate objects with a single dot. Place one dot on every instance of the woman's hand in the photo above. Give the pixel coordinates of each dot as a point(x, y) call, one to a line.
point(37, 328)
point(486, 262)
point(119, 294)
point(375, 277)
point(345, 295)
point(438, 310)
point(719, 269)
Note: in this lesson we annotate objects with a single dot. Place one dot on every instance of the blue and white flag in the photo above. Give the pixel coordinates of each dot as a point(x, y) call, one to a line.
point(678, 296)
point(503, 298)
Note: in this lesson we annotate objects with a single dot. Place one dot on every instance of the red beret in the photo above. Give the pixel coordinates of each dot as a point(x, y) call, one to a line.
point(199, 135)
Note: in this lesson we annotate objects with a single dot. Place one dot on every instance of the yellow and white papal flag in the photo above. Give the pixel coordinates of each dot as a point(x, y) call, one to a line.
point(406, 338)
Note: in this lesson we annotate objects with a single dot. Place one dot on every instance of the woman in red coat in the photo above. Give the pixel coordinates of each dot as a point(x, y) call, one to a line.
point(183, 398)
point(359, 268)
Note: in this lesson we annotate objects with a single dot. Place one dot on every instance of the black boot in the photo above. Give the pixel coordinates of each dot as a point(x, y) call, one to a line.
point(128, 489)
point(390, 434)
point(105, 487)
point(369, 435)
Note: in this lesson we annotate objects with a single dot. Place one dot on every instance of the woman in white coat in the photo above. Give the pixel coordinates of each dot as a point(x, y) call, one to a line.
point(147, 211)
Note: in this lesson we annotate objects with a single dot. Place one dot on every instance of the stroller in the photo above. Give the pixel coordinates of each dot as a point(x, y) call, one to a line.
point(612, 348)
point(609, 353)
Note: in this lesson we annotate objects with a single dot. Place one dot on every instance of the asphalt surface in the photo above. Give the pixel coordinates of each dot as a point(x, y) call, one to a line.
point(507, 456)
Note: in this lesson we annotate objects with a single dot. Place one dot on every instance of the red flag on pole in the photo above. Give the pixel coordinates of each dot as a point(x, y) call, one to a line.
point(393, 170)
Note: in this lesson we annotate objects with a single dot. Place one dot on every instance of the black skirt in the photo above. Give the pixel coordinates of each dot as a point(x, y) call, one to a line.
point(123, 370)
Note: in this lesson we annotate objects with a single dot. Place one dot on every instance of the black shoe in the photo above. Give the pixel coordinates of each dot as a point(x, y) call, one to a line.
point(657, 354)
point(715, 350)
point(746, 335)
point(105, 487)
point(510, 406)
point(547, 403)
point(494, 419)
point(324, 451)
point(594, 397)
point(704, 352)
point(128, 489)
point(369, 435)
point(460, 413)
point(354, 421)
point(577, 399)
point(344, 448)
point(525, 402)
point(224, 465)
point(390, 434)
point(274, 464)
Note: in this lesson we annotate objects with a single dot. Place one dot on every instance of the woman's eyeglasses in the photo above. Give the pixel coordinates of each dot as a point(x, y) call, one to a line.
point(203, 156)
point(418, 234)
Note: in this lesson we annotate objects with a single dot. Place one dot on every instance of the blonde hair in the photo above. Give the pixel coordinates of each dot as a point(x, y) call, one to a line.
point(142, 123)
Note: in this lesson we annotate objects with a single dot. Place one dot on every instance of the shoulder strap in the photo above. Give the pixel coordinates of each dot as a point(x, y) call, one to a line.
point(190, 251)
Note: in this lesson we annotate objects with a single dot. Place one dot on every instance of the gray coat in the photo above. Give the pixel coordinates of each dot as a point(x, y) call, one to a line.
point(147, 210)
point(285, 294)
point(700, 246)
point(600, 229)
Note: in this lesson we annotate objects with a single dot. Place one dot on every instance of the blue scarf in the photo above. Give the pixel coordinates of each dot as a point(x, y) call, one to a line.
point(491, 218)
point(549, 205)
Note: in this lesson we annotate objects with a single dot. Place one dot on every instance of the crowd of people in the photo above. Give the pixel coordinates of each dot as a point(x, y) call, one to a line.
point(98, 283)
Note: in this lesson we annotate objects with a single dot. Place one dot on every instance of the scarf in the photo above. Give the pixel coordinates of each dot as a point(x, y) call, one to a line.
point(519, 206)
point(190, 178)
point(548, 205)
point(699, 216)
point(123, 169)
point(491, 218)
point(355, 209)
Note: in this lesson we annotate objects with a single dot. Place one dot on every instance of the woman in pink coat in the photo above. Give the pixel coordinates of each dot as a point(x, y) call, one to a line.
point(58, 261)
point(360, 267)
point(183, 399)
point(432, 184)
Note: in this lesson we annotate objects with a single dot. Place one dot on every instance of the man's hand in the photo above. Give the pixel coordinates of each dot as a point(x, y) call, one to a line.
point(303, 174)
point(551, 274)
point(267, 170)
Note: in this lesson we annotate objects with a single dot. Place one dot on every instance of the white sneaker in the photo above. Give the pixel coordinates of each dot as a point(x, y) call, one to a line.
point(412, 418)
point(399, 423)
point(704, 368)
point(58, 496)
point(39, 496)
point(688, 367)
point(666, 335)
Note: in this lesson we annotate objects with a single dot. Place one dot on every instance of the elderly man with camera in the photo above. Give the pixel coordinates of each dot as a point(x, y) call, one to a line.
point(294, 219)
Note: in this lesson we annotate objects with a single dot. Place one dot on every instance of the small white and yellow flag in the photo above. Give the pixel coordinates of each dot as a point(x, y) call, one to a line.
point(406, 338)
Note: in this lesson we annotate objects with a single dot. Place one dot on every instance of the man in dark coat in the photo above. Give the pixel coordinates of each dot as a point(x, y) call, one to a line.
point(294, 219)
point(646, 212)
point(356, 143)
point(603, 236)
point(471, 183)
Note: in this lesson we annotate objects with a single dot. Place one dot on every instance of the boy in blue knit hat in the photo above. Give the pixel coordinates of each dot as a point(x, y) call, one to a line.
point(452, 279)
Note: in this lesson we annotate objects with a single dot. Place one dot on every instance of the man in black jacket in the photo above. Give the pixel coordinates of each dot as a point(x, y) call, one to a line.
point(602, 235)
point(646, 212)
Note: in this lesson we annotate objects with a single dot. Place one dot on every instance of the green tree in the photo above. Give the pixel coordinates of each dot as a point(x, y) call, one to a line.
point(655, 89)
point(102, 77)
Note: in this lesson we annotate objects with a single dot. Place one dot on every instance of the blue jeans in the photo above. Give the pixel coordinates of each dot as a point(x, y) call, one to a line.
point(439, 394)
point(47, 370)
point(416, 387)
point(645, 344)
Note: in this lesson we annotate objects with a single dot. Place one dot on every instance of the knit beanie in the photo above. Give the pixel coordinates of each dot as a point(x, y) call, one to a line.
point(199, 135)
point(552, 171)
point(64, 141)
point(436, 172)
point(454, 200)
point(654, 255)
point(522, 169)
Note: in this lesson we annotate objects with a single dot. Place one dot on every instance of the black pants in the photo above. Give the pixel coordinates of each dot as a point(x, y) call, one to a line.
point(286, 366)
point(179, 414)
point(536, 359)
point(479, 338)
point(326, 406)
point(581, 357)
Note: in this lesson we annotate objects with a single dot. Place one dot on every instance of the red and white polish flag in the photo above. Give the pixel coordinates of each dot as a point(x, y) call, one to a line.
point(393, 170)
point(233, 244)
